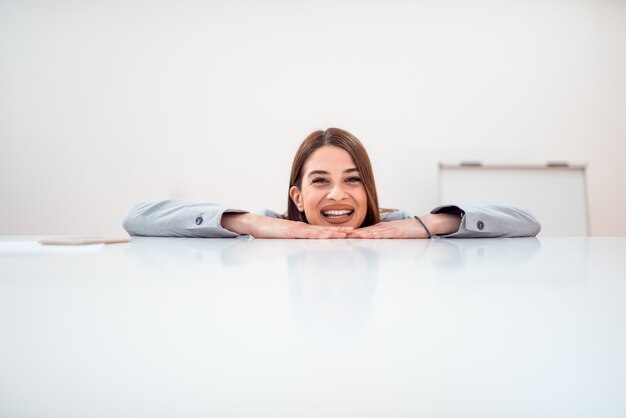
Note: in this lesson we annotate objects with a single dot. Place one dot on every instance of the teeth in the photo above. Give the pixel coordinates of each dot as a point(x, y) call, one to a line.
point(336, 212)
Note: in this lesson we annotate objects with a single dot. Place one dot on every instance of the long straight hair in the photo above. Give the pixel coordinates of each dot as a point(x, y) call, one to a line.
point(344, 140)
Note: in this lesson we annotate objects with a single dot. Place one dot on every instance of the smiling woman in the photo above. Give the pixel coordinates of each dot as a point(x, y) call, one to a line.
point(332, 182)
point(332, 194)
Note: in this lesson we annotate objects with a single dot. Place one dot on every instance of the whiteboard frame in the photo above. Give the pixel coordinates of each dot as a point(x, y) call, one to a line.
point(550, 166)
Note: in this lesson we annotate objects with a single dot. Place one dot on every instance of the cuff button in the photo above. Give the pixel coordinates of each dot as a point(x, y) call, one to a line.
point(199, 220)
point(480, 225)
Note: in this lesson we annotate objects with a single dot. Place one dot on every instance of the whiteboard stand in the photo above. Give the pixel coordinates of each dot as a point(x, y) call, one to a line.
point(556, 193)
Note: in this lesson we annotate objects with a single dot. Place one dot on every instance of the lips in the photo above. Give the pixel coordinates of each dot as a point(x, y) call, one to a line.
point(337, 213)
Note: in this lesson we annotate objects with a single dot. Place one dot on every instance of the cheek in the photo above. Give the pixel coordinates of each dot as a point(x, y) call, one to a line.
point(310, 201)
point(362, 202)
point(362, 199)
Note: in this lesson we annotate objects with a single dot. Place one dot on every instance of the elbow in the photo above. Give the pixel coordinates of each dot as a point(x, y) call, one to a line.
point(535, 229)
point(132, 223)
point(129, 224)
point(142, 220)
point(534, 226)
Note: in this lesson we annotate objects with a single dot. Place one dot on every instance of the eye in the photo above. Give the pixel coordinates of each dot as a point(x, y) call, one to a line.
point(353, 180)
point(319, 180)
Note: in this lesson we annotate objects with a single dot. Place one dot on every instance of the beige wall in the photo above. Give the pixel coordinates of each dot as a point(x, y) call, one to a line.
point(103, 105)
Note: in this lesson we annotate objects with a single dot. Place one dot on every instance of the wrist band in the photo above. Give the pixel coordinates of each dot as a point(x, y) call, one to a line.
point(424, 225)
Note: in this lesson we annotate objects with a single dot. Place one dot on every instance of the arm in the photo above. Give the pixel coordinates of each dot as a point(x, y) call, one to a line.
point(265, 227)
point(177, 218)
point(489, 221)
point(468, 221)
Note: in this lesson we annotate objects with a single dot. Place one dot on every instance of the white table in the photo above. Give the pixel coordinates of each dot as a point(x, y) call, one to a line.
point(166, 327)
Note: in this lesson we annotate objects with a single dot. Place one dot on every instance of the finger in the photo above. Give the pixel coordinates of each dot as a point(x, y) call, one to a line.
point(319, 234)
point(328, 235)
point(325, 227)
point(373, 234)
point(303, 230)
point(346, 229)
point(380, 225)
point(368, 231)
point(358, 234)
point(333, 235)
point(367, 228)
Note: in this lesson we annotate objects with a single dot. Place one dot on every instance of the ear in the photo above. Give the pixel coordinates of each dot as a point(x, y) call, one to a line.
point(296, 196)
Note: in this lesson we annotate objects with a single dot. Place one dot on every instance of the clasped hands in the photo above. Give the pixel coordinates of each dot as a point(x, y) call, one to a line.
point(265, 227)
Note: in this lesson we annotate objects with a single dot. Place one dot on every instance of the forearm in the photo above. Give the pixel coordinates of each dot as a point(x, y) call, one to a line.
point(260, 226)
point(442, 223)
point(239, 223)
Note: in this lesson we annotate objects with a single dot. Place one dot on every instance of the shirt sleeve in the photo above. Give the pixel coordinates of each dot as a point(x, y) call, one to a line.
point(490, 221)
point(177, 218)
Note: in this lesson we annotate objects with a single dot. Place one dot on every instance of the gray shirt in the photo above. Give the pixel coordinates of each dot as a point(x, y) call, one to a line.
point(177, 218)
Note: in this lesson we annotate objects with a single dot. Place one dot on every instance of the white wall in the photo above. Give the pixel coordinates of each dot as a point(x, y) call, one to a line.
point(106, 104)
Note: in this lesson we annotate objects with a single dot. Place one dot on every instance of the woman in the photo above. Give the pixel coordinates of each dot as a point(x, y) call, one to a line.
point(332, 194)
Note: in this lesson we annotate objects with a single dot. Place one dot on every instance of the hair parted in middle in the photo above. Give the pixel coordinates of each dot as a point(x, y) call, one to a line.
point(344, 140)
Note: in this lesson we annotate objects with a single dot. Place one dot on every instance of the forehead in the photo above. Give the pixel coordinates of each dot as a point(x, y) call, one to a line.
point(329, 158)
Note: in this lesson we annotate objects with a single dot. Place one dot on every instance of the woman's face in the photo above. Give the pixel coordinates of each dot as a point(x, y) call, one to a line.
point(332, 192)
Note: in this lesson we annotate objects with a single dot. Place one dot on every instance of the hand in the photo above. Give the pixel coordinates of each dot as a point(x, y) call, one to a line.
point(407, 228)
point(438, 224)
point(265, 227)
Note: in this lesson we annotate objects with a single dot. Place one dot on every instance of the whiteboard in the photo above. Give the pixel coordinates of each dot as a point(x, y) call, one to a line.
point(556, 195)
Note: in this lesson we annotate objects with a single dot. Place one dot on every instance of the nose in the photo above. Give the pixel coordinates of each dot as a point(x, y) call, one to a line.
point(336, 192)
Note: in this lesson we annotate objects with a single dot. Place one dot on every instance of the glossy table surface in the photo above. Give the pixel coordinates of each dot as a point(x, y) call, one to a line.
point(164, 327)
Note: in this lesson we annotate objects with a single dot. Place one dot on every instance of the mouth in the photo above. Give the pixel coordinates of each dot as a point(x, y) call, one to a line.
point(338, 215)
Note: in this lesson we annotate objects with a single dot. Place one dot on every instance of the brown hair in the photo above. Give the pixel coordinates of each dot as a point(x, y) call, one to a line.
point(344, 140)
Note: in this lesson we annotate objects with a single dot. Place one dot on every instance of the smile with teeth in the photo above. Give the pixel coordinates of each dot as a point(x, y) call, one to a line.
point(335, 214)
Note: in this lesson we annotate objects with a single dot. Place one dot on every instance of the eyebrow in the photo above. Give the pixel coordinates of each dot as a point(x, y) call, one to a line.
point(314, 172)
